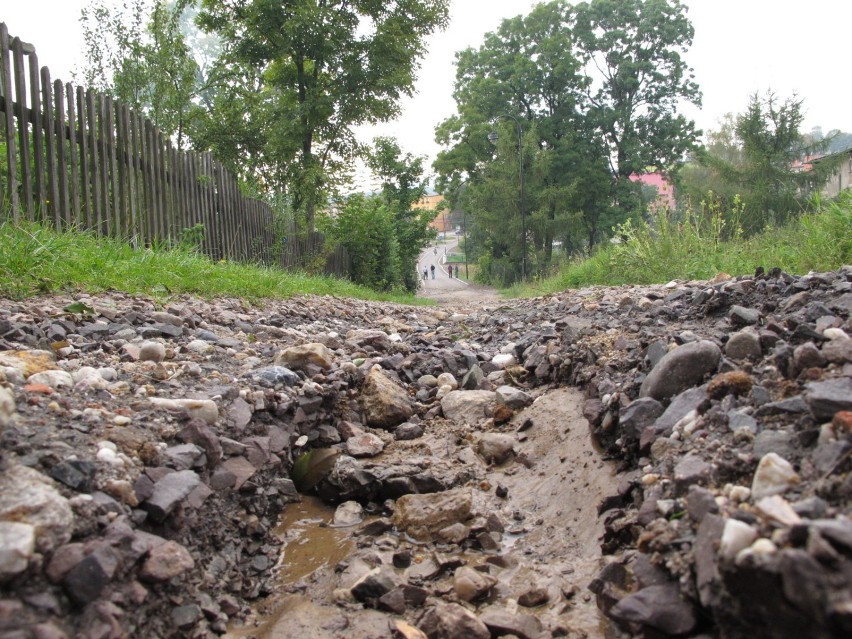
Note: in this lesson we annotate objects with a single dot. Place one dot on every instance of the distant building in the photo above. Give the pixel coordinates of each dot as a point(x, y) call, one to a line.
point(665, 192)
point(842, 178)
point(441, 223)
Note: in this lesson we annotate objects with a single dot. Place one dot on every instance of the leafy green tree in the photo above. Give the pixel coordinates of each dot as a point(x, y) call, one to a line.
point(308, 71)
point(138, 53)
point(403, 185)
point(768, 164)
point(634, 51)
point(366, 227)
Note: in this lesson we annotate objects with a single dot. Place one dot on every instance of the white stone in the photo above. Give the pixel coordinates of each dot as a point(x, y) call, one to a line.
point(504, 360)
point(203, 409)
point(29, 497)
point(774, 475)
point(53, 379)
point(835, 333)
point(199, 347)
point(428, 380)
point(364, 445)
point(740, 493)
point(109, 457)
point(7, 405)
point(348, 513)
point(17, 545)
point(736, 536)
point(468, 407)
point(778, 509)
point(447, 379)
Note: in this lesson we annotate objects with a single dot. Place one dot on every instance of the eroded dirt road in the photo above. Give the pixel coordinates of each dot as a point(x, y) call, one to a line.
point(546, 554)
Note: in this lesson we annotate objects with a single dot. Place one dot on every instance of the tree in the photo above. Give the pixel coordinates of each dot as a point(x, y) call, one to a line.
point(139, 54)
point(633, 50)
point(769, 166)
point(595, 89)
point(316, 69)
point(403, 185)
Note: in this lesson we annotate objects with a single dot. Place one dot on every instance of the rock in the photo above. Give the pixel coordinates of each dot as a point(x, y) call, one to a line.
point(185, 617)
point(744, 344)
point(638, 415)
point(75, 473)
point(152, 352)
point(691, 470)
point(403, 630)
point(741, 316)
point(736, 536)
point(658, 607)
point(407, 431)
point(274, 377)
point(240, 468)
point(778, 510)
point(7, 407)
point(28, 363)
point(468, 407)
point(504, 360)
point(496, 448)
point(349, 513)
point(452, 621)
point(502, 622)
point(85, 581)
point(730, 383)
point(364, 445)
point(28, 497)
point(535, 596)
point(165, 560)
point(384, 403)
point(472, 378)
point(707, 541)
point(17, 545)
point(774, 475)
point(680, 369)
point(170, 491)
point(52, 379)
point(422, 516)
point(513, 397)
point(379, 581)
point(300, 357)
point(829, 397)
point(470, 584)
point(204, 409)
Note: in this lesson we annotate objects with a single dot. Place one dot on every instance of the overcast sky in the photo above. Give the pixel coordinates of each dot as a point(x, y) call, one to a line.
point(740, 46)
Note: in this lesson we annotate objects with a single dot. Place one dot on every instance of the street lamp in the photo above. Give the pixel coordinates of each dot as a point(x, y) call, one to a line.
point(493, 137)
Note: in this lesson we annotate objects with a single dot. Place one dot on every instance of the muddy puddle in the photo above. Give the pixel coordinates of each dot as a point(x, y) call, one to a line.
point(550, 543)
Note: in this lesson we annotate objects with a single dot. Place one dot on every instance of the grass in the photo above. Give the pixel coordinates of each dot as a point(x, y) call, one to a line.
point(35, 259)
point(700, 244)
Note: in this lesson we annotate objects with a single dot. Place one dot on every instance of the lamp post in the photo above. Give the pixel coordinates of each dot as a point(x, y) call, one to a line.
point(493, 137)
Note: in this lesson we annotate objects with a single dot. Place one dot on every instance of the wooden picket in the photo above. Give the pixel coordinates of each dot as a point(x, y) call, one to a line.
point(77, 159)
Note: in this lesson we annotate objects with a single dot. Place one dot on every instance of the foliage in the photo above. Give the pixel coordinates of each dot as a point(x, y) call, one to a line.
point(762, 158)
point(403, 185)
point(139, 54)
point(704, 242)
point(36, 259)
point(298, 76)
point(595, 88)
point(365, 226)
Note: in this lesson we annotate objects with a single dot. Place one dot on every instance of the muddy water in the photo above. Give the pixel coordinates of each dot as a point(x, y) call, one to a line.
point(551, 539)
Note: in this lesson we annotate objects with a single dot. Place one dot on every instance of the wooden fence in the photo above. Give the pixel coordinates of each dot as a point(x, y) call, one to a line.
point(79, 160)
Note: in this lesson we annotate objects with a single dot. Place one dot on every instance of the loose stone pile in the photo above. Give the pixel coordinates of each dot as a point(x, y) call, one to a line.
point(147, 451)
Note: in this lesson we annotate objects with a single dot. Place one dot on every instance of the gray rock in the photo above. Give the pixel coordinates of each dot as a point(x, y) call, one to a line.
point(165, 560)
point(407, 431)
point(738, 419)
point(468, 407)
point(169, 491)
point(472, 378)
point(742, 316)
point(152, 352)
point(273, 377)
point(452, 621)
point(385, 404)
point(502, 622)
point(658, 607)
point(364, 445)
point(706, 547)
point(638, 415)
point(85, 581)
point(680, 369)
point(379, 581)
point(744, 344)
point(424, 515)
point(689, 471)
point(470, 584)
point(513, 397)
point(829, 397)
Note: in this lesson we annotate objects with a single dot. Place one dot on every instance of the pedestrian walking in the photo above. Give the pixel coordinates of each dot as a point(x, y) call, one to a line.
point(425, 273)
point(432, 268)
point(450, 270)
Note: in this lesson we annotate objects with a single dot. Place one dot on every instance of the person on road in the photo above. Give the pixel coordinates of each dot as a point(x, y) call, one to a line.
point(425, 273)
point(450, 270)
point(432, 268)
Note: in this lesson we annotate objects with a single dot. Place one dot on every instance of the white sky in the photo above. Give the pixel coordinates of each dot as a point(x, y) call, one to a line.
point(740, 46)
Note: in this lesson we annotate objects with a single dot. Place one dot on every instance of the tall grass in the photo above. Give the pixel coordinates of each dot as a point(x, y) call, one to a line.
point(704, 241)
point(36, 259)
